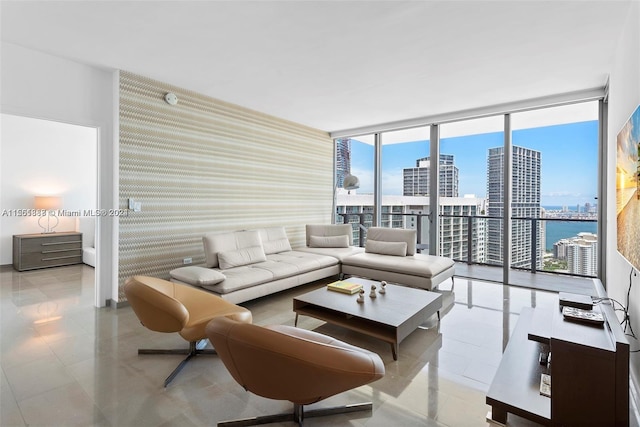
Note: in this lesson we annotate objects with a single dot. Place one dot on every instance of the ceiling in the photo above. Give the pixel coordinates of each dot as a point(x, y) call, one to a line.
point(337, 65)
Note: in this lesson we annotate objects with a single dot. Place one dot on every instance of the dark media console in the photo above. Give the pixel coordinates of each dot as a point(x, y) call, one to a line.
point(589, 371)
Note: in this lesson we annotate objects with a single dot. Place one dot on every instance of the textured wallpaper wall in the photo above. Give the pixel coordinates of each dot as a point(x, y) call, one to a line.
point(205, 165)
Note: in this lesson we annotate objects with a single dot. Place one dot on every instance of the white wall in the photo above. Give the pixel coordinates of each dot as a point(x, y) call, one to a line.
point(624, 97)
point(38, 85)
point(41, 157)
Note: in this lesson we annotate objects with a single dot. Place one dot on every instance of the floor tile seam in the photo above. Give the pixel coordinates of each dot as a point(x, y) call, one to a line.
point(465, 375)
point(456, 378)
point(24, 421)
point(452, 396)
point(13, 395)
point(465, 343)
point(75, 383)
point(64, 370)
point(405, 409)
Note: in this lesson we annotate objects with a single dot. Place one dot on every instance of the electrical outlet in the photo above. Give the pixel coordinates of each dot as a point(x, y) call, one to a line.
point(187, 260)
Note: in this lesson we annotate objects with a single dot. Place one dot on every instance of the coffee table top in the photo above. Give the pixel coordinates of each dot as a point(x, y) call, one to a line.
point(393, 308)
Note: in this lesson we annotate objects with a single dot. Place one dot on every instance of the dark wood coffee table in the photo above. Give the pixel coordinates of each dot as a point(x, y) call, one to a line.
point(390, 317)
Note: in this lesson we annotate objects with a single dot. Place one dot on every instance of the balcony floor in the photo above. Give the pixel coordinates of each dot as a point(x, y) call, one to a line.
point(539, 281)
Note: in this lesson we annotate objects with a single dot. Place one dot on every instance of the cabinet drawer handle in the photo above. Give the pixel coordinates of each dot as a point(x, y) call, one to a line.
point(61, 243)
point(60, 257)
point(61, 250)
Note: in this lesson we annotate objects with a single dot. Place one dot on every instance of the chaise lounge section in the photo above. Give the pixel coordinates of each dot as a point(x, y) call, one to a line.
point(390, 254)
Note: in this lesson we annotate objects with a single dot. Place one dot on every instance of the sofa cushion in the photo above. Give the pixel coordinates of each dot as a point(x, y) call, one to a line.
point(394, 235)
point(275, 246)
point(329, 230)
point(422, 265)
point(386, 248)
point(329, 241)
point(195, 275)
point(303, 261)
point(242, 277)
point(240, 257)
point(279, 270)
point(221, 242)
point(274, 240)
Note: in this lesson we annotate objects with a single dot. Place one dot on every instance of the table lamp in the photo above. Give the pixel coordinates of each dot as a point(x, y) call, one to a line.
point(49, 204)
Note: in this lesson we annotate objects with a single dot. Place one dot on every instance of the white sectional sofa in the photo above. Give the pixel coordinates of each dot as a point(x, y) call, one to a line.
point(244, 265)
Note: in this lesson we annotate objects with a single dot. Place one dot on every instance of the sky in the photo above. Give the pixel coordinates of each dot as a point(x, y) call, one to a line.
point(569, 165)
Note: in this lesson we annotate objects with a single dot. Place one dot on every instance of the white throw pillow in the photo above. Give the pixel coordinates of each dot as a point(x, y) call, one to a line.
point(386, 248)
point(240, 257)
point(199, 276)
point(341, 241)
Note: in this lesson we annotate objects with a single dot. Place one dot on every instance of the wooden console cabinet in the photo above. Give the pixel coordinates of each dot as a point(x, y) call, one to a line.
point(589, 371)
point(33, 251)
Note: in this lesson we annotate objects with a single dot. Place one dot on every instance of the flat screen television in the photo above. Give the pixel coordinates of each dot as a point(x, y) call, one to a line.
point(628, 190)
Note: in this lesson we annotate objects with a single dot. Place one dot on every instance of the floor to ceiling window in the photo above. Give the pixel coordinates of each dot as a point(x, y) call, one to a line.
point(469, 144)
point(405, 180)
point(552, 197)
point(555, 177)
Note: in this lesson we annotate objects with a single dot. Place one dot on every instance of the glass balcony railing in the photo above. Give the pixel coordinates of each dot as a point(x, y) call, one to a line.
point(555, 245)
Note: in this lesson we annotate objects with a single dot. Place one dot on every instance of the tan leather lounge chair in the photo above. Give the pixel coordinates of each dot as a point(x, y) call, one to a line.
point(164, 306)
point(286, 363)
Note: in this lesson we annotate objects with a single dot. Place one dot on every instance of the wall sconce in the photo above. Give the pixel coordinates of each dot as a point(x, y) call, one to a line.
point(49, 204)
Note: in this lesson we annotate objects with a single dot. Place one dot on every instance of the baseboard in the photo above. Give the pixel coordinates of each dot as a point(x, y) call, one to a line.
point(117, 304)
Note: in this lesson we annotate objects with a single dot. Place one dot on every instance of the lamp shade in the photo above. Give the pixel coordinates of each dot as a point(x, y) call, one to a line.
point(47, 203)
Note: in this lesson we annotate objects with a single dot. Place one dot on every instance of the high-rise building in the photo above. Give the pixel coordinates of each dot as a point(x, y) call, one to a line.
point(343, 159)
point(411, 212)
point(525, 203)
point(416, 180)
point(582, 254)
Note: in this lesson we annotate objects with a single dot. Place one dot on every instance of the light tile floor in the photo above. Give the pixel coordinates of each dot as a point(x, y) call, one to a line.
point(66, 363)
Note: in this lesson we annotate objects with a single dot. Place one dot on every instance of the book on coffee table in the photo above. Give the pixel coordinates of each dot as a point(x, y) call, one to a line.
point(344, 287)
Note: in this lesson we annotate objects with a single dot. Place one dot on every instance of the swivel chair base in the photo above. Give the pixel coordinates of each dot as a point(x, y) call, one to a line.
point(195, 348)
point(298, 415)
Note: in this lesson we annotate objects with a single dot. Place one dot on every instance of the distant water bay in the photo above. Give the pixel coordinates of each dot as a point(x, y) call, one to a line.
point(558, 230)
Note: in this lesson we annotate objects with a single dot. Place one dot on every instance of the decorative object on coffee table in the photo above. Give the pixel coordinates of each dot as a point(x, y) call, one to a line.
point(372, 294)
point(360, 296)
point(383, 284)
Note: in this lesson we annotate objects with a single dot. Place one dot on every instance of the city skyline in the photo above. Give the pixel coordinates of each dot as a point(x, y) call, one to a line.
point(569, 161)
